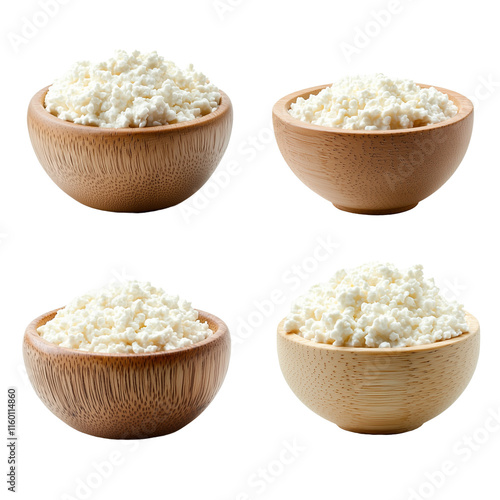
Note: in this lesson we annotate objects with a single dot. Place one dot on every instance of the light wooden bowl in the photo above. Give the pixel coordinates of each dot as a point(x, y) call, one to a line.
point(379, 391)
point(373, 172)
point(127, 396)
point(129, 169)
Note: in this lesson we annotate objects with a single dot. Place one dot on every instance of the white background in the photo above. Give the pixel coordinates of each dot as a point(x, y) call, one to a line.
point(228, 256)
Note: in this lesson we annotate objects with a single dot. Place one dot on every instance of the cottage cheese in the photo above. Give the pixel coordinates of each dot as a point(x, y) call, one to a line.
point(131, 90)
point(374, 103)
point(376, 306)
point(130, 318)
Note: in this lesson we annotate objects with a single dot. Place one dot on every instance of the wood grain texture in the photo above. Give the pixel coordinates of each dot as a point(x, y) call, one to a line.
point(129, 169)
point(379, 391)
point(127, 396)
point(373, 172)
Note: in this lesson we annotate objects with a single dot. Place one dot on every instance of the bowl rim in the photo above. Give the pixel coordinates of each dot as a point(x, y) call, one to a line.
point(32, 336)
point(472, 322)
point(37, 107)
point(281, 107)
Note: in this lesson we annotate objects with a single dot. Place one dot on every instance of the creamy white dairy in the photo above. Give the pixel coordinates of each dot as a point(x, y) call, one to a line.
point(374, 102)
point(376, 306)
point(130, 318)
point(131, 90)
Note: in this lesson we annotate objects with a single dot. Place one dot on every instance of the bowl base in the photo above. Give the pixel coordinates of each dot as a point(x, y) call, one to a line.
point(132, 434)
point(366, 211)
point(396, 430)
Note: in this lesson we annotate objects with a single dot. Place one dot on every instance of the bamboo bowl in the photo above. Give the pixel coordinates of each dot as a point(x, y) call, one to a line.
point(129, 169)
point(127, 396)
point(373, 172)
point(379, 390)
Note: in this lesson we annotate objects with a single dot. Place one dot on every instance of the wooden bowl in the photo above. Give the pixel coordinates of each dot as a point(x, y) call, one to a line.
point(378, 390)
point(129, 169)
point(127, 396)
point(373, 172)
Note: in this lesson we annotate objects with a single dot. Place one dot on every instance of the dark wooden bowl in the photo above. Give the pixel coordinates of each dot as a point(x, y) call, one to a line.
point(127, 396)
